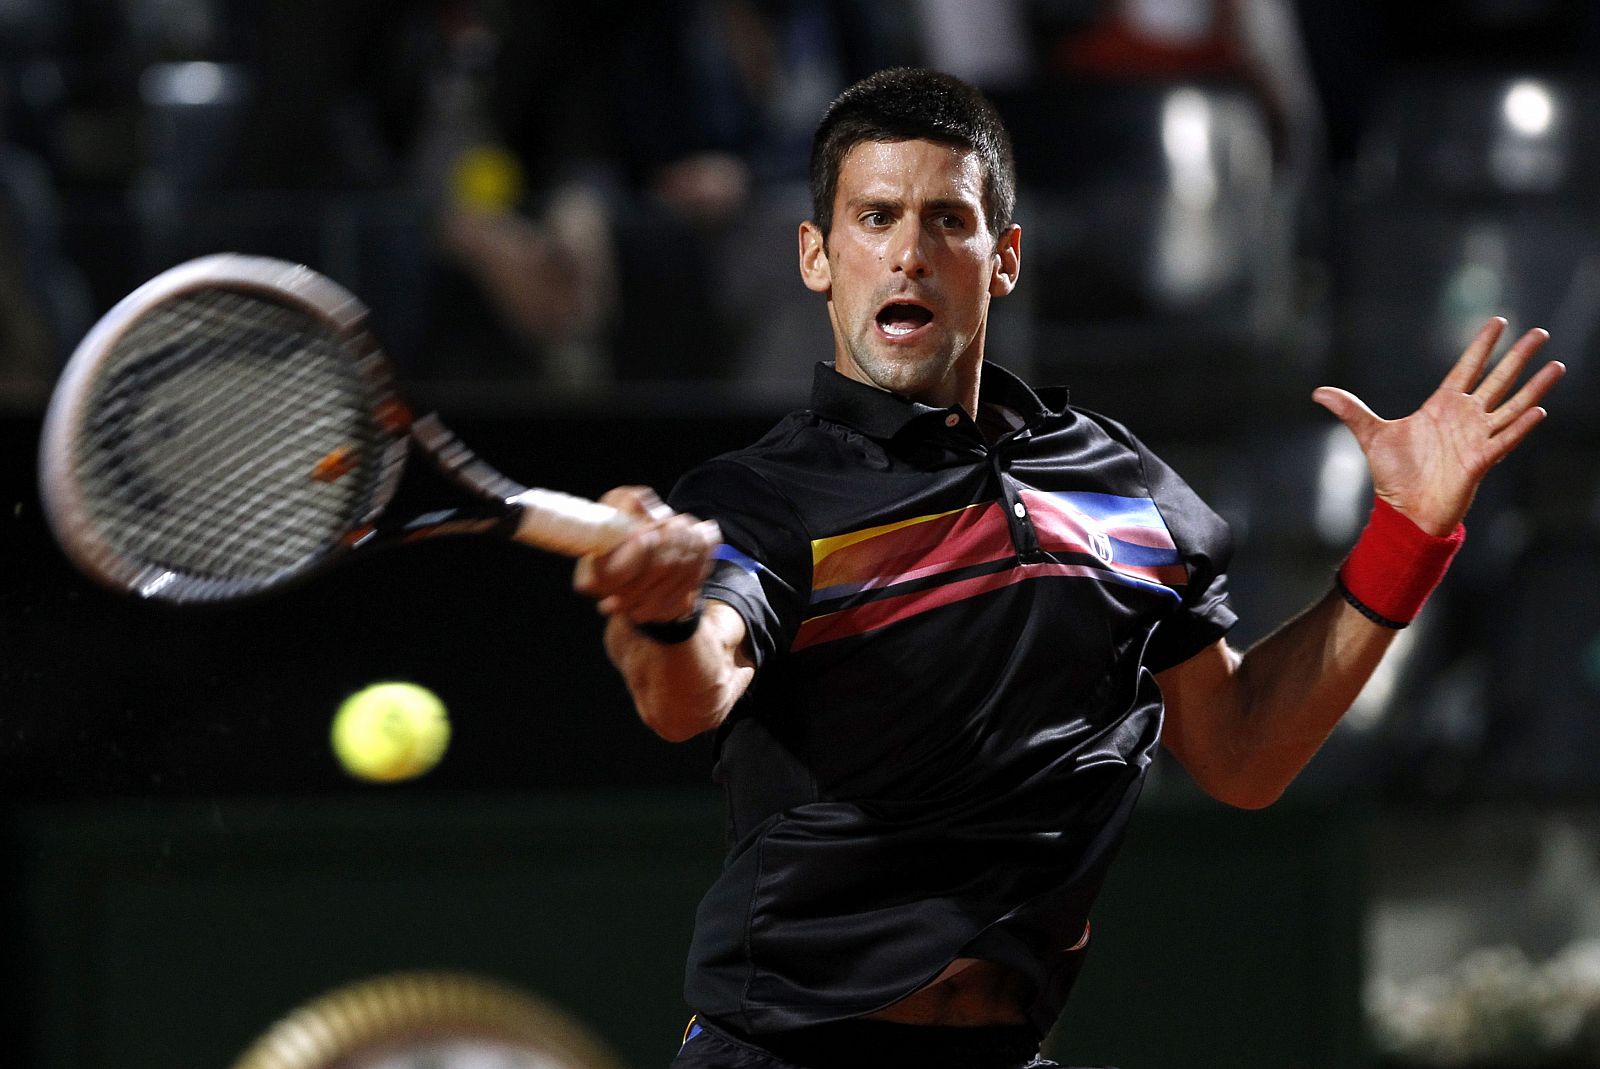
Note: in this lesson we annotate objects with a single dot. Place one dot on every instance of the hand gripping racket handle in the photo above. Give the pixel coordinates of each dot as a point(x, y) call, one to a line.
point(570, 525)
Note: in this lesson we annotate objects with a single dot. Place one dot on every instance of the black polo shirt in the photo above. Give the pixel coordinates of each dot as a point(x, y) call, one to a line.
point(953, 709)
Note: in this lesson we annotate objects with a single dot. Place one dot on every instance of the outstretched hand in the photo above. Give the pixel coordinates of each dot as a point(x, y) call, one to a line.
point(1429, 464)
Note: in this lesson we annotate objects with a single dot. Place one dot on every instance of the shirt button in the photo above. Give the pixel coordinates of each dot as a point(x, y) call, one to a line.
point(1019, 510)
point(951, 420)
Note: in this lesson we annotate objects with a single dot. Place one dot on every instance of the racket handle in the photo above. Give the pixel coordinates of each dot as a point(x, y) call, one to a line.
point(574, 526)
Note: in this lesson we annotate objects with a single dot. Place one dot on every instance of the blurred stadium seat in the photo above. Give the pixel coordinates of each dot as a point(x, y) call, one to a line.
point(36, 263)
point(193, 115)
point(1419, 279)
point(1158, 248)
point(194, 196)
point(1476, 133)
point(1473, 196)
point(1545, 697)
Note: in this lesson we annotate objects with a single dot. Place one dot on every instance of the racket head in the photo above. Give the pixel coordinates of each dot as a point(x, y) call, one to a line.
point(230, 426)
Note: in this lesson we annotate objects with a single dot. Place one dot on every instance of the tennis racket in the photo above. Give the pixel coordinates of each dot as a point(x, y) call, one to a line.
point(232, 426)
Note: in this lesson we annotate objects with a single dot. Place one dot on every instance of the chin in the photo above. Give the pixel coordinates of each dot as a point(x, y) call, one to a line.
point(906, 371)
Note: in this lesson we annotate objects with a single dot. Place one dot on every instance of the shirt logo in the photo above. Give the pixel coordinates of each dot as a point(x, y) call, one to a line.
point(1100, 542)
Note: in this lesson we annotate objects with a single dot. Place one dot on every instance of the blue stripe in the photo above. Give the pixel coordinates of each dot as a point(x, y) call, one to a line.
point(1143, 584)
point(1110, 508)
point(1143, 556)
point(733, 556)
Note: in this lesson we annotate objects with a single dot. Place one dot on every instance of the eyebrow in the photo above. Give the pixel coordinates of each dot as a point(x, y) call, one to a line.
point(896, 204)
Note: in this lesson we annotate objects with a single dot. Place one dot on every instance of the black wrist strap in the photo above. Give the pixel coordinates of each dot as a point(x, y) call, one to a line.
point(1366, 610)
point(672, 632)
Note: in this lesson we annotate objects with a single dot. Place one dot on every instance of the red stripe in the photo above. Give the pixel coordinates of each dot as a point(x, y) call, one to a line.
point(961, 539)
point(882, 613)
point(1150, 537)
point(1060, 529)
point(1138, 534)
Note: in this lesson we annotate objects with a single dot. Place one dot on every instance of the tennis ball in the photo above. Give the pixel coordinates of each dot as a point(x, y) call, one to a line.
point(486, 179)
point(390, 731)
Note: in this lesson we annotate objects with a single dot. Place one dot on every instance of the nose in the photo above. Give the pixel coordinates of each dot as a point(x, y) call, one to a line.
point(909, 253)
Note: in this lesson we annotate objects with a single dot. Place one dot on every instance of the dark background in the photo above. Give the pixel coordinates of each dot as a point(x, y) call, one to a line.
point(186, 859)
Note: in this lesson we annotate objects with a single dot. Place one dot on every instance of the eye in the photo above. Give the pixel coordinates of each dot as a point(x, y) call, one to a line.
point(952, 222)
point(875, 218)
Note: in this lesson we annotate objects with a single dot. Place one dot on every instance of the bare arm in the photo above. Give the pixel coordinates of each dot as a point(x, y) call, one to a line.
point(680, 689)
point(1244, 725)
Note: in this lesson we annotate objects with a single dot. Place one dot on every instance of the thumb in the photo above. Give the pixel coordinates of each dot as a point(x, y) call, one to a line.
point(1350, 410)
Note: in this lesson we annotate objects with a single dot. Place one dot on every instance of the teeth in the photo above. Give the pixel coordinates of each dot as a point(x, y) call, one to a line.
point(898, 328)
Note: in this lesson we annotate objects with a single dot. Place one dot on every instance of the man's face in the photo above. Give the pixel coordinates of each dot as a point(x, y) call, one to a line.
point(909, 268)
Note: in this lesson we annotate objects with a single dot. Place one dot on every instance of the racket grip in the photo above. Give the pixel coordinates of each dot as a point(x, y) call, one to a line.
point(573, 526)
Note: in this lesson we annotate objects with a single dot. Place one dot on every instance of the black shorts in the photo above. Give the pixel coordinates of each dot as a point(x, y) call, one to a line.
point(860, 1045)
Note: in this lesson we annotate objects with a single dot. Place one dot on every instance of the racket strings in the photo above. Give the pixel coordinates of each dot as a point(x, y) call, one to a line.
point(227, 438)
point(232, 439)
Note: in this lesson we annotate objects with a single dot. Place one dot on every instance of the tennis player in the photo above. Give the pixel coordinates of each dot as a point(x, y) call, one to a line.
point(939, 622)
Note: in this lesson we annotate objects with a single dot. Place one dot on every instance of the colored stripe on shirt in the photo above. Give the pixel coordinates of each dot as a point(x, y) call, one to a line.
point(892, 572)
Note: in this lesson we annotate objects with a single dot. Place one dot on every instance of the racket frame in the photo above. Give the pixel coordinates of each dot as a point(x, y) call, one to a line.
point(66, 508)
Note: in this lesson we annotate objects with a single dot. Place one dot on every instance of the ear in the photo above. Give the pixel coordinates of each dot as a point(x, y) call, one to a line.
point(1007, 262)
point(815, 270)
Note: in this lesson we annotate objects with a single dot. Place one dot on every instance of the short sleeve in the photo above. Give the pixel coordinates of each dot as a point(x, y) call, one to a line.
point(764, 562)
point(1205, 543)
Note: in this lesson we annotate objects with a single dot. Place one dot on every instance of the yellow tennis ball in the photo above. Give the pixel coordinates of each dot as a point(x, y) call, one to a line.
point(390, 731)
point(486, 178)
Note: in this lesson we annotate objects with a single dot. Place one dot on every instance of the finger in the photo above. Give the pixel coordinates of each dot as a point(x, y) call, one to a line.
point(685, 566)
point(1498, 382)
point(710, 535)
point(659, 576)
point(640, 501)
point(583, 575)
point(657, 509)
point(669, 591)
point(1507, 440)
point(611, 573)
point(1349, 409)
point(686, 548)
point(620, 496)
point(599, 574)
point(1474, 358)
point(1531, 394)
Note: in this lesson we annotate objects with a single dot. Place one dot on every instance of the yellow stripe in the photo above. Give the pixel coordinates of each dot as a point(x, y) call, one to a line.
point(823, 547)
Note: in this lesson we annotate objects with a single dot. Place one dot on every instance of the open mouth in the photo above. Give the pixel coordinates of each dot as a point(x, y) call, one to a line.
point(899, 318)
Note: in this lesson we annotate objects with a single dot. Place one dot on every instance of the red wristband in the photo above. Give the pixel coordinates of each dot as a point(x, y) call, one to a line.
point(1394, 566)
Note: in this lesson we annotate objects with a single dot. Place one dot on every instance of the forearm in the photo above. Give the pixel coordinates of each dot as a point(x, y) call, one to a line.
point(1288, 693)
point(683, 689)
point(1244, 726)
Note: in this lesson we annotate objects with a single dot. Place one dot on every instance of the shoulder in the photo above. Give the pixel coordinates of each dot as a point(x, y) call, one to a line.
point(1097, 424)
point(791, 457)
point(779, 446)
point(1092, 444)
point(1128, 466)
point(759, 478)
point(1116, 435)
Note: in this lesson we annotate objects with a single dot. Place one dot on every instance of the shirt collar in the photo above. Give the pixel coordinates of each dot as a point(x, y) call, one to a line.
point(881, 414)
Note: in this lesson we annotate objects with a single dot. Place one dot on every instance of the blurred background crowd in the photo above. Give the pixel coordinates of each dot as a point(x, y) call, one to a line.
point(586, 212)
point(589, 196)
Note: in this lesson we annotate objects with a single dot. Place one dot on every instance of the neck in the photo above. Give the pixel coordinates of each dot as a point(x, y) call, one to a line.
point(966, 377)
point(958, 387)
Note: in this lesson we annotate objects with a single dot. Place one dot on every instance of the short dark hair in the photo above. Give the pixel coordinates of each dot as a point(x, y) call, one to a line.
point(909, 104)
